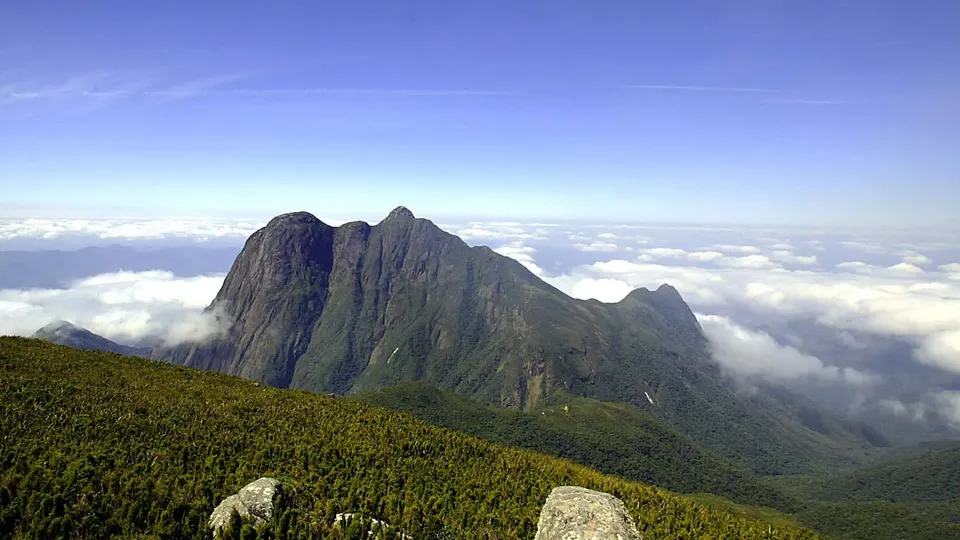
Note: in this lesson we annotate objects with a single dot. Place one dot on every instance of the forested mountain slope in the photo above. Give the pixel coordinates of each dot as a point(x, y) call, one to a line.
point(610, 437)
point(97, 444)
point(924, 476)
point(915, 493)
point(360, 307)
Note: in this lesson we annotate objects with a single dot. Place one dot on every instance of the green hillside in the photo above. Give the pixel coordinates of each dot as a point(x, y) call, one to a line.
point(882, 520)
point(613, 438)
point(923, 476)
point(97, 444)
point(913, 494)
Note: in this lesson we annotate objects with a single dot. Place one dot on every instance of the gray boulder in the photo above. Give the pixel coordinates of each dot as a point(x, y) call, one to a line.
point(255, 499)
point(576, 513)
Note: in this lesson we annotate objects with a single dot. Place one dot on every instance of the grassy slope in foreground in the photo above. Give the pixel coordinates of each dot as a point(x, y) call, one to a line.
point(614, 438)
point(96, 444)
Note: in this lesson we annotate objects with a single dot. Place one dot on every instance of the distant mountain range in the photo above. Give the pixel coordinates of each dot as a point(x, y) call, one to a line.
point(65, 333)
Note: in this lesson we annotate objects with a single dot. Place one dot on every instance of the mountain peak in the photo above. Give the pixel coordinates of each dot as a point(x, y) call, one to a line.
point(66, 333)
point(669, 290)
point(293, 218)
point(59, 326)
point(400, 212)
point(664, 291)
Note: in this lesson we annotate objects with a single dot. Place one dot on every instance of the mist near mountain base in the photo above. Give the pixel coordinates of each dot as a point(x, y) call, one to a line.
point(126, 307)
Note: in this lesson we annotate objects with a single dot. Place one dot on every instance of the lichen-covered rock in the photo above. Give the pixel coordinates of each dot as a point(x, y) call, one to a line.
point(258, 496)
point(576, 513)
point(255, 499)
point(221, 514)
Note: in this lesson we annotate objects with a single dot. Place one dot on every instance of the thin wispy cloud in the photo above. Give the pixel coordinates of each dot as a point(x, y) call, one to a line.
point(413, 92)
point(96, 88)
point(99, 85)
point(197, 87)
point(794, 101)
point(738, 90)
point(688, 88)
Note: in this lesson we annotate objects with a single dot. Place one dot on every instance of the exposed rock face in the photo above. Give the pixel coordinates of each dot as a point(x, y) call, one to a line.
point(576, 513)
point(359, 307)
point(255, 499)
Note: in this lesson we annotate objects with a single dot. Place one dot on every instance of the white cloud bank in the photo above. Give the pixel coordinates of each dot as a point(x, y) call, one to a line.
point(917, 259)
point(948, 404)
point(522, 254)
point(923, 307)
point(499, 230)
point(944, 402)
point(596, 247)
point(756, 355)
point(120, 229)
point(716, 255)
point(122, 306)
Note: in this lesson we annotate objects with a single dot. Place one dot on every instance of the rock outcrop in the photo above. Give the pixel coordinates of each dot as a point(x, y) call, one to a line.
point(376, 526)
point(256, 499)
point(576, 513)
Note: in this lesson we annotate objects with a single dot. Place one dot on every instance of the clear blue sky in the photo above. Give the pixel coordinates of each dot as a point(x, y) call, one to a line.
point(783, 111)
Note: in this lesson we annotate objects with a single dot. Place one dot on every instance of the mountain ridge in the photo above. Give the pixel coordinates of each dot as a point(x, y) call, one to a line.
point(296, 249)
point(359, 307)
point(66, 333)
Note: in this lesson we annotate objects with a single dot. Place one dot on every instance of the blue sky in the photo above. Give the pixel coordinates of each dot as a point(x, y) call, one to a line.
point(733, 111)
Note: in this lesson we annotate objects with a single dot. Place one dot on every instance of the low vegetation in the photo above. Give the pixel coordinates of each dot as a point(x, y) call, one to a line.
point(97, 444)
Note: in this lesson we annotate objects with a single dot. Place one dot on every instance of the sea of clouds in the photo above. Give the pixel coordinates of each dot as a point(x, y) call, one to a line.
point(750, 288)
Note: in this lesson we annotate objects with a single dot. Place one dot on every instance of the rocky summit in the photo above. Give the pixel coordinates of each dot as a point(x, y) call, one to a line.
point(361, 307)
point(256, 499)
point(576, 513)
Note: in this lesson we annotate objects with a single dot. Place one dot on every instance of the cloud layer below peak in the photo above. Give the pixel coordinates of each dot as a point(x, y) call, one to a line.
point(122, 306)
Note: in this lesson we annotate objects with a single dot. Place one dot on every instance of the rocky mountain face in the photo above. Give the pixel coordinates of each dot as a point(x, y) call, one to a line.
point(359, 307)
point(65, 333)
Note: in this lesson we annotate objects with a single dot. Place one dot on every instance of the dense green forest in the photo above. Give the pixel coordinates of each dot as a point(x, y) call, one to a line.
point(97, 444)
point(611, 437)
point(882, 520)
point(911, 476)
point(915, 493)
